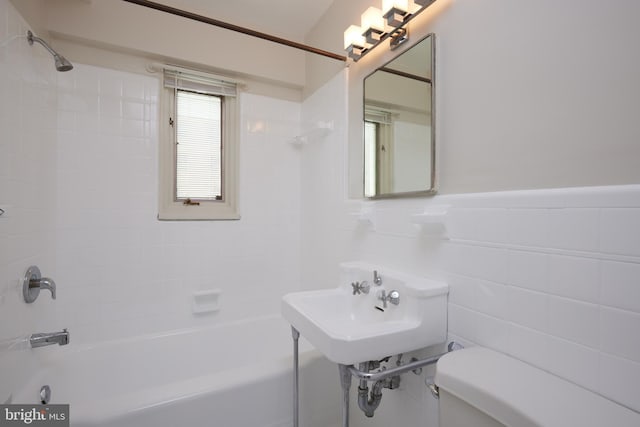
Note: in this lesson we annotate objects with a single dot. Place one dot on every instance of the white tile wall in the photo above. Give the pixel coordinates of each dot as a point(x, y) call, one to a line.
point(78, 177)
point(120, 271)
point(27, 192)
point(571, 284)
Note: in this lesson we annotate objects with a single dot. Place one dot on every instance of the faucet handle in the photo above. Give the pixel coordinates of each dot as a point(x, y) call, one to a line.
point(33, 282)
point(393, 297)
point(360, 287)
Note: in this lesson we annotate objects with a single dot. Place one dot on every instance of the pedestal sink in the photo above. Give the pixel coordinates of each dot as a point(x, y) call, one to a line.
point(349, 326)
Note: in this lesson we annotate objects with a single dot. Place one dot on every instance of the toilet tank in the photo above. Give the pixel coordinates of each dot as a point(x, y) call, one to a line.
point(483, 388)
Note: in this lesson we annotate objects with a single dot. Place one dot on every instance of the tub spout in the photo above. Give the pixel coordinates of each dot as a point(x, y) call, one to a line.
point(49, 338)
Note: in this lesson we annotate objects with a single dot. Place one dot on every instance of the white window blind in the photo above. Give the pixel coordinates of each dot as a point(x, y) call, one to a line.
point(198, 146)
point(198, 82)
point(199, 100)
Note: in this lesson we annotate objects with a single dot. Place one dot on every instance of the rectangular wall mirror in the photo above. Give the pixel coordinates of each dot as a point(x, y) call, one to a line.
point(399, 134)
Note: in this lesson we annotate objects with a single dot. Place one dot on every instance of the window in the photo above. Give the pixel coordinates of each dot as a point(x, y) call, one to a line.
point(378, 152)
point(198, 147)
point(370, 161)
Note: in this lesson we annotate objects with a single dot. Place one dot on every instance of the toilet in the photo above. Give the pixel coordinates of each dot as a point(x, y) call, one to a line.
point(479, 387)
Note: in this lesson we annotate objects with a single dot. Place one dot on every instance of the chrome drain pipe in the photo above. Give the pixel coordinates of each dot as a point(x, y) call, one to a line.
point(381, 375)
point(386, 378)
point(366, 403)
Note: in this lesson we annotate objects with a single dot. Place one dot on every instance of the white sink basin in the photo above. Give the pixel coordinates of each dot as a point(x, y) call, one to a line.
point(350, 329)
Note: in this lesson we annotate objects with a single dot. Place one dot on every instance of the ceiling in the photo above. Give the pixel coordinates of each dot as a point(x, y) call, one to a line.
point(291, 19)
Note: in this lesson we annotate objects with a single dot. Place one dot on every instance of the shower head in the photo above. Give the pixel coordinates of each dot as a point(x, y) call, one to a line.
point(61, 62)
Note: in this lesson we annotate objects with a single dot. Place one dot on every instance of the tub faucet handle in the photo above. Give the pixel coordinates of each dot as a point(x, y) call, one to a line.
point(33, 282)
point(46, 283)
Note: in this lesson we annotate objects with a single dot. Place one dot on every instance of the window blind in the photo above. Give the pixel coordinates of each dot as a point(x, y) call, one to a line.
point(198, 82)
point(377, 116)
point(198, 146)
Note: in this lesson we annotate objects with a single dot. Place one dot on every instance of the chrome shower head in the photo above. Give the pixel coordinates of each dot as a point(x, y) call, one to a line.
point(62, 64)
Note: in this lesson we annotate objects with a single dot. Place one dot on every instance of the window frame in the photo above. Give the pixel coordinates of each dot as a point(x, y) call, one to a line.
point(169, 207)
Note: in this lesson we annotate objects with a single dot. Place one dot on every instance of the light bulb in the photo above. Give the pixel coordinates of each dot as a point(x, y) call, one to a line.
point(353, 37)
point(402, 5)
point(372, 25)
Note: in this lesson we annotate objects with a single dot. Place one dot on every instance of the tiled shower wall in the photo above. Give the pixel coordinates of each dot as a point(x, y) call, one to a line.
point(78, 181)
point(121, 272)
point(28, 105)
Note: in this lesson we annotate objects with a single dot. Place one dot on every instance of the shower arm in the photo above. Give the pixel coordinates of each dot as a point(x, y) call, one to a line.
point(31, 38)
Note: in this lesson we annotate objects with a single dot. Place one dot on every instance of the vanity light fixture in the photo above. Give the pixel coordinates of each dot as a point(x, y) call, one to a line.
point(376, 25)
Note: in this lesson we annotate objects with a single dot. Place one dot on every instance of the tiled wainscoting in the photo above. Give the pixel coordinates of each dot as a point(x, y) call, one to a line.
point(552, 278)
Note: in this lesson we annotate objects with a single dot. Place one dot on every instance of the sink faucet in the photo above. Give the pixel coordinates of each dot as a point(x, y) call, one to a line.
point(377, 279)
point(393, 297)
point(49, 338)
point(360, 287)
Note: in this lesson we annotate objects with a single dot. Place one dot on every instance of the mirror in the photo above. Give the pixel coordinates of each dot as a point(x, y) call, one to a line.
point(399, 143)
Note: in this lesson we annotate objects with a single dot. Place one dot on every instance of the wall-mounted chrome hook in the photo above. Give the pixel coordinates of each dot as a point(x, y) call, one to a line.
point(33, 282)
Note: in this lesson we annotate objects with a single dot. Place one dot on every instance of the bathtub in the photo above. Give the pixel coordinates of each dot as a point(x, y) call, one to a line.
point(235, 375)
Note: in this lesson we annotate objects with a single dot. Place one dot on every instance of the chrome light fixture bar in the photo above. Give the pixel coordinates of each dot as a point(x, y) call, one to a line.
point(377, 25)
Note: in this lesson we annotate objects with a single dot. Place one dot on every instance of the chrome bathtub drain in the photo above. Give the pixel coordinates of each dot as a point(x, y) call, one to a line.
point(45, 394)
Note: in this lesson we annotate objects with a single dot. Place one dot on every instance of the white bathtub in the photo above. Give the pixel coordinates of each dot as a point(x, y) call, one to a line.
point(237, 375)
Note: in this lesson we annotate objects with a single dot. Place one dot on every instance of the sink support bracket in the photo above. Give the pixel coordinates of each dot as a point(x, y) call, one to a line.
point(296, 408)
point(345, 383)
point(347, 371)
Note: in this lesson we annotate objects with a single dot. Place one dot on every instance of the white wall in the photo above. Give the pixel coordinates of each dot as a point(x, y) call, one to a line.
point(527, 97)
point(529, 94)
point(548, 276)
point(79, 182)
point(93, 200)
point(27, 193)
point(129, 28)
point(121, 271)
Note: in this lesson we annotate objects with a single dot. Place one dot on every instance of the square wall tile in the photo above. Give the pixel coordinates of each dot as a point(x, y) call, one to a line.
point(620, 231)
point(574, 321)
point(620, 333)
point(528, 270)
point(574, 362)
point(574, 277)
point(528, 227)
point(575, 229)
point(620, 285)
point(618, 380)
point(530, 346)
point(482, 329)
point(527, 308)
point(461, 290)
